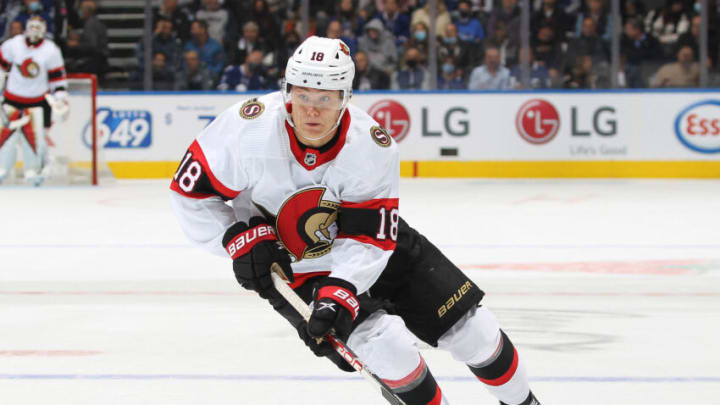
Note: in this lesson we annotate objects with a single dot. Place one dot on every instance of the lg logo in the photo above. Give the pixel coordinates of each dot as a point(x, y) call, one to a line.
point(393, 117)
point(537, 121)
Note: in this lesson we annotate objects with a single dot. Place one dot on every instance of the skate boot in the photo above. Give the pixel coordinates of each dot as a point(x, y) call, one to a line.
point(530, 400)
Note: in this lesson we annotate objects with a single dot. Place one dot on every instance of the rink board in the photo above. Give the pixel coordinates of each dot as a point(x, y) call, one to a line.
point(651, 134)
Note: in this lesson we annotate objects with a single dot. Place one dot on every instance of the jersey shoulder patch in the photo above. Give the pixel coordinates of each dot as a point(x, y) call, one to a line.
point(252, 109)
point(381, 136)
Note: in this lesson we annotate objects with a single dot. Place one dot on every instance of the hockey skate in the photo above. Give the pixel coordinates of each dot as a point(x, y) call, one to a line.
point(34, 178)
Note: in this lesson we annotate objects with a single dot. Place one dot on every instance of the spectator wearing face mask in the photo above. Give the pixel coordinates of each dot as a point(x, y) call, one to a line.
point(36, 7)
point(469, 28)
point(379, 44)
point(449, 77)
point(413, 75)
point(464, 54)
point(422, 15)
point(419, 40)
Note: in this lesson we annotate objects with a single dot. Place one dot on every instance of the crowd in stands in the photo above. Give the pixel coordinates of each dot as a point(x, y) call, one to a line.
point(244, 45)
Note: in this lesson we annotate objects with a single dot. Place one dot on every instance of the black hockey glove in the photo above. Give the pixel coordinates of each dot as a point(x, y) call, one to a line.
point(254, 249)
point(323, 348)
point(335, 307)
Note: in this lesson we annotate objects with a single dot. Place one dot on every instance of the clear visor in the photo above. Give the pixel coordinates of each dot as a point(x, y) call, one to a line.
point(320, 99)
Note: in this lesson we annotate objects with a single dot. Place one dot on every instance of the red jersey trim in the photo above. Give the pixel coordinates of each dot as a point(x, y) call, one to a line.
point(302, 278)
point(198, 196)
point(387, 244)
point(321, 157)
point(24, 100)
point(31, 45)
point(199, 155)
point(374, 204)
point(5, 64)
point(57, 69)
point(57, 79)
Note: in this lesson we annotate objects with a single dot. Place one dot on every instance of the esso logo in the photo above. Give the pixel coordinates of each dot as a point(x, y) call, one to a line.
point(393, 117)
point(537, 121)
point(698, 126)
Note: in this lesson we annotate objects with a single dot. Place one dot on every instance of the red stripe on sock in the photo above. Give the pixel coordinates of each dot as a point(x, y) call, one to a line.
point(437, 399)
point(505, 377)
point(414, 375)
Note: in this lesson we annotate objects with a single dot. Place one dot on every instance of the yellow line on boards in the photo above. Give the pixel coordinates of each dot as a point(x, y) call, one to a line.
point(491, 169)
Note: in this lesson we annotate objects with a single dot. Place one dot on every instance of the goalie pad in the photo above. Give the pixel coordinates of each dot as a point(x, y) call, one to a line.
point(25, 126)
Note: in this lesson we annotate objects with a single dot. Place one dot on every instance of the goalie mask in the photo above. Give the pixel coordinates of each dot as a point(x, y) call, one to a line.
point(324, 64)
point(35, 29)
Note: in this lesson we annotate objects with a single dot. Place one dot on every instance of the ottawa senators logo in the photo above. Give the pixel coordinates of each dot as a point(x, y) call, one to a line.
point(29, 68)
point(252, 109)
point(380, 136)
point(306, 224)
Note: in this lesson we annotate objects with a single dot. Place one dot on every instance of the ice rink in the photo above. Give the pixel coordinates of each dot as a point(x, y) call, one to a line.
point(609, 288)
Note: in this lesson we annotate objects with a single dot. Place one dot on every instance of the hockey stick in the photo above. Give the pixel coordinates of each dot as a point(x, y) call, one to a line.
point(281, 285)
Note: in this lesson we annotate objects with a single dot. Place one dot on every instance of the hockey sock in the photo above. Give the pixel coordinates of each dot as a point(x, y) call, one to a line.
point(418, 387)
point(504, 375)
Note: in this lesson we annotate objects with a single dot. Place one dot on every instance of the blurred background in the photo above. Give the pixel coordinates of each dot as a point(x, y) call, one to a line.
point(398, 44)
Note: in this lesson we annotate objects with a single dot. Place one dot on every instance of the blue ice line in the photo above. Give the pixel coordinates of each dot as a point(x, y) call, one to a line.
point(258, 377)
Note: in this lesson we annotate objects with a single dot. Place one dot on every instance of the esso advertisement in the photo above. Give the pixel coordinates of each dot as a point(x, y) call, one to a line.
point(124, 129)
point(698, 126)
point(537, 121)
point(393, 116)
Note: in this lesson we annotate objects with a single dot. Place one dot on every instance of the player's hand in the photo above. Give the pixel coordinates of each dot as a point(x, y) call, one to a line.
point(254, 249)
point(323, 348)
point(335, 307)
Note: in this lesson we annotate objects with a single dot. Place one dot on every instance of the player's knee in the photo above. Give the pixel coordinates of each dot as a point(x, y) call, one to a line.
point(385, 345)
point(474, 338)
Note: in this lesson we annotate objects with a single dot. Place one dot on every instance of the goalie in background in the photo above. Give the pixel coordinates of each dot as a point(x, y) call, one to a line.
point(32, 74)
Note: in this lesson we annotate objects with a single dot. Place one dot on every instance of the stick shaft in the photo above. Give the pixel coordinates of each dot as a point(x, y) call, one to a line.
point(280, 283)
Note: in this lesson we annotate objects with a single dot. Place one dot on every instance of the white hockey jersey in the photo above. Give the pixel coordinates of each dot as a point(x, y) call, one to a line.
point(334, 209)
point(34, 69)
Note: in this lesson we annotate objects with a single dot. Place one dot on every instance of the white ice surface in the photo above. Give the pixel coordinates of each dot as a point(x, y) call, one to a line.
point(609, 288)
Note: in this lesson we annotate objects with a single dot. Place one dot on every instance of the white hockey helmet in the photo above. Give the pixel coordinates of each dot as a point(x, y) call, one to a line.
point(320, 63)
point(35, 29)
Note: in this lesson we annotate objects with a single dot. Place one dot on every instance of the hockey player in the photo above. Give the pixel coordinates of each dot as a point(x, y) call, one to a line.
point(312, 184)
point(36, 79)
